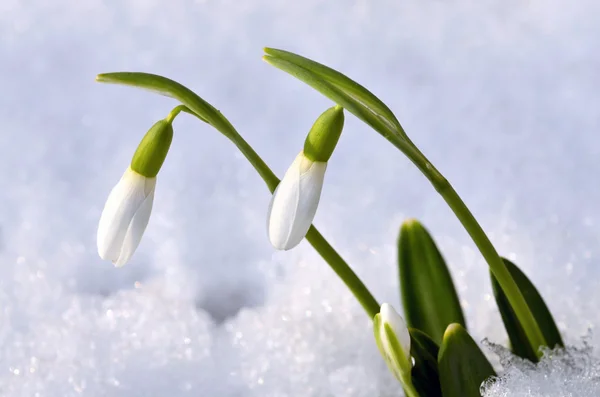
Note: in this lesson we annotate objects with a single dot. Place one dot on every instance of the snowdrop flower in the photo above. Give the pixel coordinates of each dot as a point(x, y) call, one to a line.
point(125, 217)
point(129, 204)
point(294, 203)
point(393, 341)
point(296, 198)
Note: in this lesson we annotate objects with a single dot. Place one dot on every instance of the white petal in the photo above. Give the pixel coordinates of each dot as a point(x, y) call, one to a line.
point(391, 317)
point(294, 202)
point(122, 204)
point(283, 206)
point(135, 231)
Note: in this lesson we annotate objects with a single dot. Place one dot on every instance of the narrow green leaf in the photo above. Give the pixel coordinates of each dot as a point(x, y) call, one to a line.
point(425, 376)
point(518, 340)
point(428, 295)
point(167, 87)
point(344, 83)
point(356, 106)
point(462, 365)
point(354, 98)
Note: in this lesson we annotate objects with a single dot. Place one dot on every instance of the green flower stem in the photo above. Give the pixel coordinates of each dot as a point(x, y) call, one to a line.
point(481, 240)
point(191, 103)
point(176, 110)
point(339, 266)
point(367, 107)
point(196, 106)
point(314, 237)
point(497, 266)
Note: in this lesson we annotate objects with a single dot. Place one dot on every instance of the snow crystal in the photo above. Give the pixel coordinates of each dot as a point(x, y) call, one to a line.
point(501, 95)
point(560, 373)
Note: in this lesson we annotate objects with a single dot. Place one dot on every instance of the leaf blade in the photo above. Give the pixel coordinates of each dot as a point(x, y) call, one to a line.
point(518, 340)
point(462, 365)
point(163, 86)
point(428, 294)
point(343, 82)
point(353, 105)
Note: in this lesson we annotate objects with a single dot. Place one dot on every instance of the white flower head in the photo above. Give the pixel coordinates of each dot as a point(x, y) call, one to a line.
point(294, 202)
point(125, 217)
point(393, 340)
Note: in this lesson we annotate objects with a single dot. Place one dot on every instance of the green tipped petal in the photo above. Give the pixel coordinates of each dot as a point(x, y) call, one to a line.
point(393, 341)
point(153, 149)
point(324, 135)
point(462, 365)
point(428, 295)
point(518, 340)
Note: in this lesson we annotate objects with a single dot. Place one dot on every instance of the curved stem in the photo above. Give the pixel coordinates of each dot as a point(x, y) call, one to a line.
point(173, 113)
point(314, 237)
point(481, 240)
point(368, 108)
point(193, 104)
point(497, 266)
point(340, 268)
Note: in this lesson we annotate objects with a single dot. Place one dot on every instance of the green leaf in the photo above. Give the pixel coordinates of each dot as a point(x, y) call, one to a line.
point(462, 365)
point(167, 87)
point(346, 93)
point(425, 376)
point(428, 294)
point(357, 100)
point(518, 340)
point(346, 85)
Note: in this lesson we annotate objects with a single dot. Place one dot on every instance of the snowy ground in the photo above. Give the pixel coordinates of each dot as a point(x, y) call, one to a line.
point(501, 95)
point(560, 373)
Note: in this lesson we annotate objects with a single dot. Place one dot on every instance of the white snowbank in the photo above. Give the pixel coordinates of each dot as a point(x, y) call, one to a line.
point(502, 95)
point(560, 373)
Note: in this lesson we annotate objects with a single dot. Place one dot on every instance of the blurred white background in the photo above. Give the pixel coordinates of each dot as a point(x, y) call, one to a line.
point(501, 95)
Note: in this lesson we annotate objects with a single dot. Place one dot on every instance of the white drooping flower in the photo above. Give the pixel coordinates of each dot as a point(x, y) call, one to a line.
point(393, 340)
point(295, 201)
point(125, 217)
point(128, 207)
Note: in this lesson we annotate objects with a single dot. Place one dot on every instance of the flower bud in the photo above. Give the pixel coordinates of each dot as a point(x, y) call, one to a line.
point(129, 204)
point(294, 203)
point(393, 341)
point(296, 198)
point(125, 217)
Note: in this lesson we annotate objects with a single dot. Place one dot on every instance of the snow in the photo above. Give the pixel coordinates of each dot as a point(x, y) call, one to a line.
point(501, 96)
point(572, 372)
